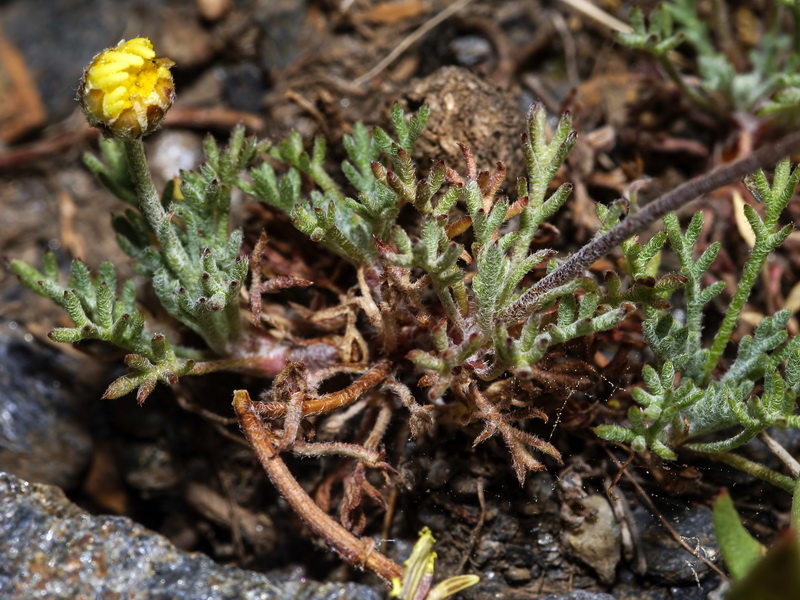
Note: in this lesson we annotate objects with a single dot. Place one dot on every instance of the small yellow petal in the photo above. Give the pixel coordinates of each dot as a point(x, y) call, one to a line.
point(139, 46)
point(122, 59)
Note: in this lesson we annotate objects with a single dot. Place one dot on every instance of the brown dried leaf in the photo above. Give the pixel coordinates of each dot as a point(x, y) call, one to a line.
point(387, 13)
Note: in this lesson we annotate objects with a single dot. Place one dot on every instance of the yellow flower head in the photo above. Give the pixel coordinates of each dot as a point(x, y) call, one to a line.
point(126, 90)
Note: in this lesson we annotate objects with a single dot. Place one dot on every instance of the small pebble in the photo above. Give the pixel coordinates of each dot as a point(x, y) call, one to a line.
point(213, 10)
point(173, 151)
point(469, 50)
point(597, 541)
point(518, 575)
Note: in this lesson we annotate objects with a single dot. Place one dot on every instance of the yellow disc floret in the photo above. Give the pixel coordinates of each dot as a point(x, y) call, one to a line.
point(126, 90)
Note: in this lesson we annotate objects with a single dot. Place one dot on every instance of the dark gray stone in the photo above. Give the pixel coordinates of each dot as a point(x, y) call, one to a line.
point(520, 556)
point(43, 412)
point(667, 561)
point(488, 550)
point(50, 548)
point(504, 527)
point(243, 86)
point(281, 25)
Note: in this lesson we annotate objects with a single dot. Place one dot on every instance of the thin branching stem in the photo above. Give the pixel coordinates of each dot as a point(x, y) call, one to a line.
point(575, 266)
point(783, 455)
point(753, 468)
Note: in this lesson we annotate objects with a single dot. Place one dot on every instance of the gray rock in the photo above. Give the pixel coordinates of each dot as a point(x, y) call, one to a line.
point(580, 595)
point(50, 548)
point(281, 24)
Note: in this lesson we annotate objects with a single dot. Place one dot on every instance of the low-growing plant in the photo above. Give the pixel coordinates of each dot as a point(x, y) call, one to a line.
point(689, 399)
point(730, 82)
point(451, 288)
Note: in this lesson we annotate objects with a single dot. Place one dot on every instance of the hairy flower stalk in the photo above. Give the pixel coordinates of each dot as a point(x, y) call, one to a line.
point(125, 92)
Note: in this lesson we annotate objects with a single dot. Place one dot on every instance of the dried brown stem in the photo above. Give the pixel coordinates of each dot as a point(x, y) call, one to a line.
point(356, 551)
point(517, 441)
point(275, 284)
point(367, 456)
point(421, 416)
point(380, 426)
point(329, 402)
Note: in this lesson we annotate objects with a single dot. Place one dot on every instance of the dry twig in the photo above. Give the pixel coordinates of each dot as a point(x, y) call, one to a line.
point(409, 41)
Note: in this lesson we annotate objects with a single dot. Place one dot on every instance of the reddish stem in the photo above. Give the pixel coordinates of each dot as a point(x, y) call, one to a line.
point(329, 402)
point(356, 551)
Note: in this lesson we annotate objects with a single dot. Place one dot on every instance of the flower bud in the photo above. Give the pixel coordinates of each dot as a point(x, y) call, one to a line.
point(126, 91)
